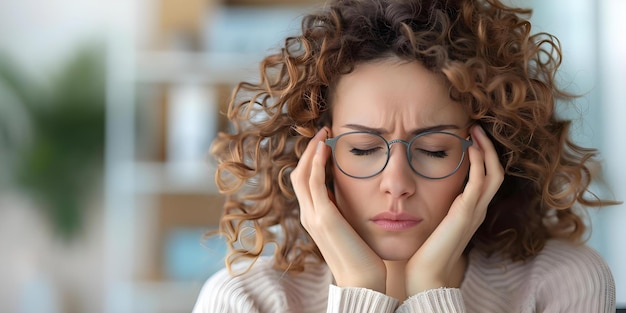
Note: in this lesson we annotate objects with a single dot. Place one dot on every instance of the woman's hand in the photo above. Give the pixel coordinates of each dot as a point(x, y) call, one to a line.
point(350, 259)
point(431, 266)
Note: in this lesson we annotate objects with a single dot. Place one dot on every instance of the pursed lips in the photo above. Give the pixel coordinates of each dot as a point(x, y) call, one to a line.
point(392, 221)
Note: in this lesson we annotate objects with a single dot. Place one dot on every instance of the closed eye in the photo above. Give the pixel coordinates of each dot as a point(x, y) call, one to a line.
point(434, 154)
point(361, 152)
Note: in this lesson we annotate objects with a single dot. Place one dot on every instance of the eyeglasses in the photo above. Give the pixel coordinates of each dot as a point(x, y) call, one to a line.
point(432, 155)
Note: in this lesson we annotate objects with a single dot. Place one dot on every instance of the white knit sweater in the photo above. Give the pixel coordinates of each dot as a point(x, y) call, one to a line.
point(563, 278)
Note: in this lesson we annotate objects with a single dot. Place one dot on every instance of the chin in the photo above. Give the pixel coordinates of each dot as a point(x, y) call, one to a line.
point(395, 251)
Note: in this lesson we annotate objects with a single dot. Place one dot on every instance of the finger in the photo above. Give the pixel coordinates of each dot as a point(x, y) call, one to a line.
point(300, 176)
point(309, 152)
point(317, 180)
point(494, 172)
point(473, 188)
point(492, 161)
point(304, 164)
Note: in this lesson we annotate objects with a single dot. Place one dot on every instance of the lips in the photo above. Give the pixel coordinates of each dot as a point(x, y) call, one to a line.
point(391, 221)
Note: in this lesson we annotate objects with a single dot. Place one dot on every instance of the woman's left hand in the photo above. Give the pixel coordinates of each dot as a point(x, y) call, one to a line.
point(431, 266)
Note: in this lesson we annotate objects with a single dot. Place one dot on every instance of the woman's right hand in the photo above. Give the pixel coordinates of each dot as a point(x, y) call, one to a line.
point(352, 262)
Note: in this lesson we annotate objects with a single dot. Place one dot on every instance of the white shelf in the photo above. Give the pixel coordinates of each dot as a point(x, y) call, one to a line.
point(208, 68)
point(154, 177)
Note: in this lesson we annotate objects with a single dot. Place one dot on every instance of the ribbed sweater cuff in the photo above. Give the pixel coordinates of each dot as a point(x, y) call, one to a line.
point(359, 300)
point(442, 300)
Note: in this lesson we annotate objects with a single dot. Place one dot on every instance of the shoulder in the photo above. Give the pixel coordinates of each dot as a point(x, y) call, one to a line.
point(572, 275)
point(563, 258)
point(563, 277)
point(262, 289)
point(224, 293)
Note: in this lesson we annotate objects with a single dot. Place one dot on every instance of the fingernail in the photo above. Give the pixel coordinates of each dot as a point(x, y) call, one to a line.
point(323, 131)
point(319, 146)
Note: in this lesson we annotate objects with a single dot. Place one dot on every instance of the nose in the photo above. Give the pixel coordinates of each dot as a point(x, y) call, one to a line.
point(398, 179)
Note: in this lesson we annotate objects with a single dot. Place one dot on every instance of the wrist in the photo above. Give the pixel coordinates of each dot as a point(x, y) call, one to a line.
point(371, 286)
point(424, 285)
point(372, 283)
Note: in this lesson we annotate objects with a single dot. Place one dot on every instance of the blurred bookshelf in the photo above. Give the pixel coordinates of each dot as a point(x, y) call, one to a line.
point(168, 85)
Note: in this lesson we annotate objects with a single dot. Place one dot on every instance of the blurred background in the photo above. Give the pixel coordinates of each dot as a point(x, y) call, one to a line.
point(107, 109)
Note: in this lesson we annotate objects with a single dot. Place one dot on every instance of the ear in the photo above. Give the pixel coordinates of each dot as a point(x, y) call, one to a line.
point(329, 132)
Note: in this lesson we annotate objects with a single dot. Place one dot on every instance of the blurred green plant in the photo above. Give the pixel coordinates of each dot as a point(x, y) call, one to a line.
point(53, 135)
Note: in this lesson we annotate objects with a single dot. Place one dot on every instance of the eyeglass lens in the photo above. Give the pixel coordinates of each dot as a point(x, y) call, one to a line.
point(432, 155)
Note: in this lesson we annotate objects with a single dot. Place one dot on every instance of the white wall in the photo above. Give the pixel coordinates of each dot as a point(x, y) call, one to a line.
point(39, 33)
point(612, 83)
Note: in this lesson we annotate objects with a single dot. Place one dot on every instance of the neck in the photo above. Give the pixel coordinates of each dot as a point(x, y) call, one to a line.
point(396, 278)
point(396, 286)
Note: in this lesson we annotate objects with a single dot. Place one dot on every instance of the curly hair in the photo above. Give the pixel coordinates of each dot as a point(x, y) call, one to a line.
point(503, 74)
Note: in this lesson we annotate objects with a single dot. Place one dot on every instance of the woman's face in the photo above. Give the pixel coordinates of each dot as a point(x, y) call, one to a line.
point(396, 210)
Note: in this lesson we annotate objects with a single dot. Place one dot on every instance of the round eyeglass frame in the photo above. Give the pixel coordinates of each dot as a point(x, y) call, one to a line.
point(466, 143)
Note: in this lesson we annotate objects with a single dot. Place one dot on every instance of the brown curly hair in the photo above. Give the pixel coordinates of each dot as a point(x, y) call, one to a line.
point(502, 73)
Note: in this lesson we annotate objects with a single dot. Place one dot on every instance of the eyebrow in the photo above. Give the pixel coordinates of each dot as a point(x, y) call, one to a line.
point(417, 131)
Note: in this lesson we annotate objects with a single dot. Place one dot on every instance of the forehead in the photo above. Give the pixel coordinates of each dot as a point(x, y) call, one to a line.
point(394, 95)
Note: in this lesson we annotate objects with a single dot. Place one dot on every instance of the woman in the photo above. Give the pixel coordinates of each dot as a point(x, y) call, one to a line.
point(404, 156)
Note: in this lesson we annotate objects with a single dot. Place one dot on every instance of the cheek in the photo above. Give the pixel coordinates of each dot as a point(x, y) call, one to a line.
point(445, 191)
point(342, 188)
point(349, 192)
point(462, 175)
